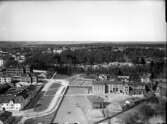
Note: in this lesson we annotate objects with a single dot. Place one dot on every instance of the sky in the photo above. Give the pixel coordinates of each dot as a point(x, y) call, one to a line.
point(94, 20)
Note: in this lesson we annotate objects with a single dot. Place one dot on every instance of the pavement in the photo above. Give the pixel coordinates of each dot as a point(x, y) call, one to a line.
point(74, 107)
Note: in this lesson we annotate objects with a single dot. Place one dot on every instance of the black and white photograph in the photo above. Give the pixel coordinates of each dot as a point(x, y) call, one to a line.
point(83, 62)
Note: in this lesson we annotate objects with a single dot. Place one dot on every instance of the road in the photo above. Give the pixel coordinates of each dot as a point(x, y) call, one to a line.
point(53, 105)
point(73, 107)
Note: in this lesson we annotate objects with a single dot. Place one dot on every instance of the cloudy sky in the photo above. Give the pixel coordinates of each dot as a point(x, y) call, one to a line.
point(95, 20)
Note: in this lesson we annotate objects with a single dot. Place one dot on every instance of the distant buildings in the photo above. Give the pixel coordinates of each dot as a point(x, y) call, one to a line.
point(17, 71)
point(19, 74)
point(26, 78)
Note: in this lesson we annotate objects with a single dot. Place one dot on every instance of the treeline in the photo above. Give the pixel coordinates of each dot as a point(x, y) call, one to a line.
point(98, 56)
point(67, 61)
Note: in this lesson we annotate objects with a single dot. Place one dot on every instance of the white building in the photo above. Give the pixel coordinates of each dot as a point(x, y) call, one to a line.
point(11, 106)
point(4, 80)
point(1, 62)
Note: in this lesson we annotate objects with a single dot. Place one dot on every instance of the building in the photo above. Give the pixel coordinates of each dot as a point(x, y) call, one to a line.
point(18, 71)
point(115, 86)
point(15, 99)
point(108, 86)
point(5, 79)
point(11, 106)
point(1, 62)
point(145, 78)
point(26, 78)
point(124, 78)
point(136, 89)
point(11, 103)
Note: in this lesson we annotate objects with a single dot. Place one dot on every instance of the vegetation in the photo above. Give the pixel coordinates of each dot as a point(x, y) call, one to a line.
point(69, 60)
point(148, 110)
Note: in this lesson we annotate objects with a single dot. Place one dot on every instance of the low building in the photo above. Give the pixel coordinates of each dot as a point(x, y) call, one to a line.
point(26, 78)
point(124, 78)
point(11, 106)
point(145, 78)
point(12, 103)
point(5, 79)
point(17, 71)
point(136, 89)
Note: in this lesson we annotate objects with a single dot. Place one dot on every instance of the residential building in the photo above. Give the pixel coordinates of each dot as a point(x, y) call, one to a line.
point(18, 71)
point(11, 106)
point(124, 78)
point(12, 103)
point(1, 62)
point(26, 78)
point(5, 79)
point(145, 78)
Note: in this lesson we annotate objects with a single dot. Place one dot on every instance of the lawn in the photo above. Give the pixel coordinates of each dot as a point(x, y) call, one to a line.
point(51, 92)
point(55, 85)
point(43, 103)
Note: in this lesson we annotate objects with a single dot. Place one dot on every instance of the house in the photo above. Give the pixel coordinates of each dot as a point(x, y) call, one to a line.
point(102, 77)
point(26, 78)
point(145, 78)
point(11, 106)
point(5, 79)
point(124, 78)
point(57, 51)
point(17, 98)
point(11, 103)
point(136, 89)
point(18, 71)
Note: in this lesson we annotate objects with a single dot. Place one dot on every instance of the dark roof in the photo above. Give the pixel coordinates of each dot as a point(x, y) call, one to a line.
point(7, 98)
point(5, 115)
